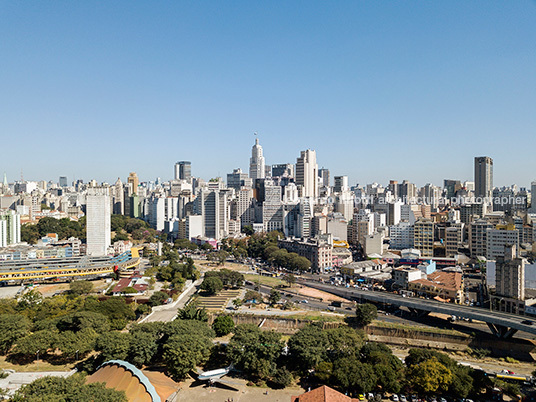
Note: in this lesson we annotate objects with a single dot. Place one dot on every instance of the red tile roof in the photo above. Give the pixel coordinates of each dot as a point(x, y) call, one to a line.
point(323, 394)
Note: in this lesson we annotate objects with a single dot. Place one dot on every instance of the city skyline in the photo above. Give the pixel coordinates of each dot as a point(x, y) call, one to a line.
point(380, 91)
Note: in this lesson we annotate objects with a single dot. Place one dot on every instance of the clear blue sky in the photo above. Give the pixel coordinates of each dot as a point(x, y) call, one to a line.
point(380, 89)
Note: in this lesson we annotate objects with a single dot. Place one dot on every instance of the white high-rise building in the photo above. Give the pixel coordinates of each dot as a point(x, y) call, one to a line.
point(98, 221)
point(307, 173)
point(9, 227)
point(256, 162)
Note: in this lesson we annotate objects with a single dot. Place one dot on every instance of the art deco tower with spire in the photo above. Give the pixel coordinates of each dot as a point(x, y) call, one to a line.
point(256, 163)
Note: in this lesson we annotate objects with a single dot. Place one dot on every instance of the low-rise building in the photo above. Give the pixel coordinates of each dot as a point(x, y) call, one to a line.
point(318, 251)
point(441, 285)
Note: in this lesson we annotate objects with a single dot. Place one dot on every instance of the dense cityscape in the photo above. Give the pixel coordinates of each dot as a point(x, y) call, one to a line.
point(439, 256)
point(257, 201)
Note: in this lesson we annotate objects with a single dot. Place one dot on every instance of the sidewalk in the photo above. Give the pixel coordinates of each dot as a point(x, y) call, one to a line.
point(168, 312)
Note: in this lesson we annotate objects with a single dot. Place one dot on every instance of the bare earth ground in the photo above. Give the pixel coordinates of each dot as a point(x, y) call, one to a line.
point(49, 290)
point(202, 393)
point(320, 294)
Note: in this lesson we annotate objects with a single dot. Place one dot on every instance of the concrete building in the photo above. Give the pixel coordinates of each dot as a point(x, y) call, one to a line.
point(183, 171)
point(307, 174)
point(483, 176)
point(401, 236)
point(510, 274)
point(214, 206)
point(283, 170)
point(238, 179)
point(423, 237)
point(318, 251)
point(324, 177)
point(341, 184)
point(133, 183)
point(403, 275)
point(9, 227)
point(444, 285)
point(374, 244)
point(256, 162)
point(98, 215)
point(498, 238)
point(478, 244)
point(453, 239)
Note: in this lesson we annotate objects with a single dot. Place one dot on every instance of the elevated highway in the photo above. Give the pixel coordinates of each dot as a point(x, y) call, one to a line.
point(502, 325)
point(20, 271)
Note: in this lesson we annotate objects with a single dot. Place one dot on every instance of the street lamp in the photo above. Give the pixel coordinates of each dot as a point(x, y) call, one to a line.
point(37, 355)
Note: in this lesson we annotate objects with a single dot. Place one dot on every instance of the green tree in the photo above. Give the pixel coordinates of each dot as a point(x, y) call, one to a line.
point(30, 299)
point(184, 353)
point(351, 374)
point(143, 347)
point(158, 298)
point(40, 341)
point(223, 325)
point(68, 389)
point(13, 327)
point(80, 320)
point(365, 314)
point(80, 287)
point(248, 230)
point(116, 309)
point(192, 312)
point(113, 345)
point(255, 351)
point(308, 347)
point(289, 279)
point(237, 303)
point(76, 343)
point(429, 376)
point(282, 378)
point(212, 285)
point(274, 297)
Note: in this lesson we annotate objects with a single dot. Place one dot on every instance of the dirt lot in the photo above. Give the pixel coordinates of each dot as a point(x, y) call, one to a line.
point(48, 290)
point(320, 294)
point(202, 393)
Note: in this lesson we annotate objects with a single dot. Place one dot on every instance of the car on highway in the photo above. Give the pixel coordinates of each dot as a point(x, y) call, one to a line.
point(527, 322)
point(394, 398)
point(304, 301)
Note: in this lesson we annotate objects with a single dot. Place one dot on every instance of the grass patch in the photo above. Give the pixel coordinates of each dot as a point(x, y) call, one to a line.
point(393, 325)
point(35, 367)
point(265, 280)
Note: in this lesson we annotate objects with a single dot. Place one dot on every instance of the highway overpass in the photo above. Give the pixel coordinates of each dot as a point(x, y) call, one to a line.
point(502, 325)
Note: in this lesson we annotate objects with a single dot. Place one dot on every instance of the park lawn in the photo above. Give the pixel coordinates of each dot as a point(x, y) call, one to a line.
point(265, 280)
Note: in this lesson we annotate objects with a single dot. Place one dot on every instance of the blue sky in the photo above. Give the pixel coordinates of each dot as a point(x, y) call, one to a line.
point(380, 89)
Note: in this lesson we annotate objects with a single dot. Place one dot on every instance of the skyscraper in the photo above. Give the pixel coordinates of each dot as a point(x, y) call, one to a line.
point(98, 221)
point(183, 170)
point(256, 162)
point(133, 182)
point(307, 173)
point(483, 176)
point(532, 208)
point(63, 181)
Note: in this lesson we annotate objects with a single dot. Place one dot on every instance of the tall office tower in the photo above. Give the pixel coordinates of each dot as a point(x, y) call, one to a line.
point(451, 187)
point(272, 210)
point(453, 239)
point(9, 227)
point(393, 188)
point(133, 182)
point(423, 237)
point(183, 170)
point(214, 206)
point(341, 184)
point(483, 176)
point(510, 274)
point(307, 173)
point(63, 181)
point(118, 198)
point(532, 208)
point(238, 179)
point(242, 207)
point(256, 162)
point(98, 221)
point(324, 177)
point(283, 170)
point(407, 191)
